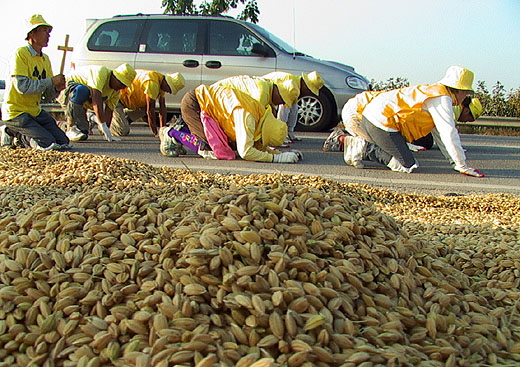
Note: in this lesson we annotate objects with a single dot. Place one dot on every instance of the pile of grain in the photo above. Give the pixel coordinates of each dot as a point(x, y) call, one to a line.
point(111, 262)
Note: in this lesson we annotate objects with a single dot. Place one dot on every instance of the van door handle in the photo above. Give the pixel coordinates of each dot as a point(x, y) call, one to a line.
point(213, 64)
point(190, 63)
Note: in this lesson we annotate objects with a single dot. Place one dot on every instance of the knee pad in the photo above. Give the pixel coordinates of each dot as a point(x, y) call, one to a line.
point(80, 94)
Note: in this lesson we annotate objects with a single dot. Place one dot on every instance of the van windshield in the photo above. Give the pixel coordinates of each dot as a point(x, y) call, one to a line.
point(284, 46)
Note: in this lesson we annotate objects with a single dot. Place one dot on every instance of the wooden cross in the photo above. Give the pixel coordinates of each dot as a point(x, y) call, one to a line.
point(64, 49)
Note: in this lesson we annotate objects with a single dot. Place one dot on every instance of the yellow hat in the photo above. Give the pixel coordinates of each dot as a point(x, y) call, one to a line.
point(458, 77)
point(34, 22)
point(125, 73)
point(314, 81)
point(274, 131)
point(476, 108)
point(289, 90)
point(175, 82)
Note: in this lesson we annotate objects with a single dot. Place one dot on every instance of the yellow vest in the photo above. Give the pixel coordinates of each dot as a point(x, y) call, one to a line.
point(33, 67)
point(97, 77)
point(404, 110)
point(257, 88)
point(220, 102)
point(146, 83)
point(362, 99)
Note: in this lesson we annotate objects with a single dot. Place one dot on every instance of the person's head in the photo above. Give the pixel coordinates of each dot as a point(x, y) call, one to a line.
point(460, 81)
point(285, 92)
point(311, 83)
point(172, 83)
point(122, 77)
point(274, 131)
point(38, 32)
point(469, 110)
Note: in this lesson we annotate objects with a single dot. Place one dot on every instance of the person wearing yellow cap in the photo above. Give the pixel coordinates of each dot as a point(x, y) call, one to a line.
point(244, 122)
point(396, 117)
point(266, 92)
point(309, 84)
point(96, 88)
point(140, 99)
point(32, 77)
point(468, 111)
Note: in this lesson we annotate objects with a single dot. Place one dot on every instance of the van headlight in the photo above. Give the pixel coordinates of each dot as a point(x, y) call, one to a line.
point(356, 82)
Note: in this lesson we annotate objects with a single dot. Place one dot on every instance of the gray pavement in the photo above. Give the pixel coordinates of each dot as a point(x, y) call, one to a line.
point(498, 157)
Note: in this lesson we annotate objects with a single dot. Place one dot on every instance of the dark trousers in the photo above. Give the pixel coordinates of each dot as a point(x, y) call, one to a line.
point(42, 128)
point(190, 111)
point(393, 143)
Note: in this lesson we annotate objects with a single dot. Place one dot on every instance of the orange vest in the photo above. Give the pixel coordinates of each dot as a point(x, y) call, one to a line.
point(404, 110)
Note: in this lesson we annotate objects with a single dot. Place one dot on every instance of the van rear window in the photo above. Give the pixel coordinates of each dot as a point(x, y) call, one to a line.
point(121, 35)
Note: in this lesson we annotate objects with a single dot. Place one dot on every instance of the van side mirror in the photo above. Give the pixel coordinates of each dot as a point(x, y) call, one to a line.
point(261, 49)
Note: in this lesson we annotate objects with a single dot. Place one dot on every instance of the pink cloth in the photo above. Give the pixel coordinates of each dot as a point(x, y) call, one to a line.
point(217, 139)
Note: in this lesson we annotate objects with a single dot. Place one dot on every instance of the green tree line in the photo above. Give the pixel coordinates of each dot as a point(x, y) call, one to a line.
point(249, 11)
point(497, 102)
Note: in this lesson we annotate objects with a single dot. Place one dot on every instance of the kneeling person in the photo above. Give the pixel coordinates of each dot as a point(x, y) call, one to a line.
point(32, 77)
point(139, 98)
point(98, 88)
point(244, 121)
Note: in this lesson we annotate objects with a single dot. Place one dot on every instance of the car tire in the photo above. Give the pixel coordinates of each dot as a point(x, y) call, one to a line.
point(314, 113)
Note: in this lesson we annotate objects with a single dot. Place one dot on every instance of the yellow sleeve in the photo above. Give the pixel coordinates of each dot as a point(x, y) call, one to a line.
point(113, 99)
point(98, 79)
point(151, 89)
point(245, 125)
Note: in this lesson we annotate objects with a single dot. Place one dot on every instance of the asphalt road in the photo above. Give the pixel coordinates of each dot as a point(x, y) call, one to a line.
point(498, 157)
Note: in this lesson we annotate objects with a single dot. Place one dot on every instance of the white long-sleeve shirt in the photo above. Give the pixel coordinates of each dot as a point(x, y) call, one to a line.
point(441, 110)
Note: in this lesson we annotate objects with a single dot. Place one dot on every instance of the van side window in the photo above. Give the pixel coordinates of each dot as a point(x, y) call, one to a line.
point(118, 35)
point(172, 37)
point(228, 38)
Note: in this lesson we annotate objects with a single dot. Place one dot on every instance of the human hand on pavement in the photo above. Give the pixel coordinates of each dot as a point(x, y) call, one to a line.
point(468, 171)
point(108, 135)
point(286, 157)
point(298, 153)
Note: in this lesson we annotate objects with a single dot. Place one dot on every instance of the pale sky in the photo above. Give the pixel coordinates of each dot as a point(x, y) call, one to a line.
point(413, 39)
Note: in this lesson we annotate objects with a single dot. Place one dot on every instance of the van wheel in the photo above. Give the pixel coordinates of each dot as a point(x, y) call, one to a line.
point(314, 113)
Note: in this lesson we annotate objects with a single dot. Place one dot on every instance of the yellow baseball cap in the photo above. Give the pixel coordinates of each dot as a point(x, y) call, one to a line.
point(289, 91)
point(274, 131)
point(175, 82)
point(125, 73)
point(458, 77)
point(34, 22)
point(314, 81)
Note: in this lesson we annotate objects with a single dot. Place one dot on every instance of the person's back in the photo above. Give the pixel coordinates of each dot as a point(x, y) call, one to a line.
point(259, 89)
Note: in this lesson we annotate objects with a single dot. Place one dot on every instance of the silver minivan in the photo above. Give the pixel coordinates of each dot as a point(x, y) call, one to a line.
point(205, 49)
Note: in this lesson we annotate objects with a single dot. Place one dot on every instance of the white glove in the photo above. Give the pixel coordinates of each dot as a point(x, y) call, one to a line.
point(285, 157)
point(415, 148)
point(396, 166)
point(298, 153)
point(107, 133)
point(468, 171)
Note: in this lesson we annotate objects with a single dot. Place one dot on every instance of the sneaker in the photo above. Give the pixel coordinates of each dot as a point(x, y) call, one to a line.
point(168, 145)
point(34, 144)
point(293, 137)
point(353, 149)
point(65, 147)
point(207, 154)
point(74, 134)
point(6, 140)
